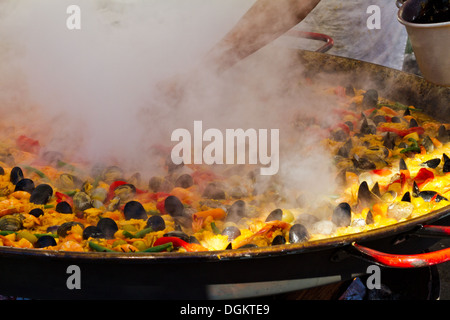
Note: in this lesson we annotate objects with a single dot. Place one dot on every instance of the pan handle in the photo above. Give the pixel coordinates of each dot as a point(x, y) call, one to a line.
point(412, 260)
point(329, 42)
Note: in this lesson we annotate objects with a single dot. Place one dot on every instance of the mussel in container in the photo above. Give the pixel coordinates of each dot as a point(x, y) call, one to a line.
point(178, 234)
point(10, 223)
point(134, 210)
point(173, 206)
point(63, 207)
point(108, 227)
point(45, 241)
point(68, 181)
point(232, 232)
point(112, 173)
point(92, 232)
point(41, 194)
point(82, 201)
point(342, 215)
point(184, 181)
point(63, 230)
point(278, 239)
point(370, 98)
point(16, 175)
point(236, 211)
point(298, 233)
point(125, 192)
point(276, 214)
point(25, 185)
point(36, 212)
point(212, 191)
point(157, 223)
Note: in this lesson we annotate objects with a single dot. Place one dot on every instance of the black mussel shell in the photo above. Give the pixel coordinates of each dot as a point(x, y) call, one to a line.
point(370, 98)
point(396, 120)
point(344, 151)
point(155, 183)
point(92, 232)
point(63, 207)
point(25, 185)
point(276, 214)
point(298, 233)
point(406, 197)
point(231, 232)
point(173, 206)
point(443, 135)
point(376, 189)
point(413, 123)
point(402, 165)
point(379, 119)
point(178, 234)
point(193, 239)
point(16, 175)
point(369, 218)
point(407, 112)
point(66, 226)
point(45, 241)
point(184, 181)
point(36, 212)
point(134, 210)
point(236, 211)
point(108, 227)
point(389, 140)
point(157, 223)
point(171, 166)
point(446, 167)
point(363, 163)
point(342, 215)
point(2, 171)
point(433, 163)
point(213, 192)
point(112, 173)
point(41, 194)
point(279, 239)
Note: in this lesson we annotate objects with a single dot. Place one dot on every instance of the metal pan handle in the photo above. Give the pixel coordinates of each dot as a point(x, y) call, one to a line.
point(412, 260)
point(329, 42)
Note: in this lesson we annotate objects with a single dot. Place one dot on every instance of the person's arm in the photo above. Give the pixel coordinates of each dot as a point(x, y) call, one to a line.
point(265, 21)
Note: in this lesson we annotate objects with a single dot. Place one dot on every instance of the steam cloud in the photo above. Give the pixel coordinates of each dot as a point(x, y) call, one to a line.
point(95, 93)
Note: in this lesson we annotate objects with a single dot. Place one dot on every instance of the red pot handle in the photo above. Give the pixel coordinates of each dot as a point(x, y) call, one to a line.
point(412, 260)
point(329, 42)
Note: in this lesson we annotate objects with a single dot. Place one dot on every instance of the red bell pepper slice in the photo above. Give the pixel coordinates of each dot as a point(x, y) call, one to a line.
point(177, 242)
point(63, 197)
point(404, 132)
point(423, 176)
point(27, 144)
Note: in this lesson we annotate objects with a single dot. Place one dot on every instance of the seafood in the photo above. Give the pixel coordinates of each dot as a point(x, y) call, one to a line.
point(391, 162)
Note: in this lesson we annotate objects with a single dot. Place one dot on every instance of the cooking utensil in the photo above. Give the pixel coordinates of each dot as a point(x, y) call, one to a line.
point(429, 41)
point(243, 272)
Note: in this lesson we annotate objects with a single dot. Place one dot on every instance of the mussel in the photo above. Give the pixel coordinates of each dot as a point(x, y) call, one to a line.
point(68, 181)
point(134, 210)
point(63, 207)
point(157, 223)
point(212, 191)
point(446, 167)
point(82, 201)
point(173, 206)
point(184, 181)
point(25, 185)
point(36, 212)
point(427, 195)
point(433, 163)
point(366, 198)
point(45, 241)
point(10, 223)
point(236, 211)
point(342, 215)
point(108, 227)
point(298, 233)
point(370, 98)
point(16, 175)
point(276, 214)
point(63, 229)
point(92, 232)
point(41, 194)
point(232, 232)
point(278, 239)
point(111, 174)
point(125, 192)
point(178, 234)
